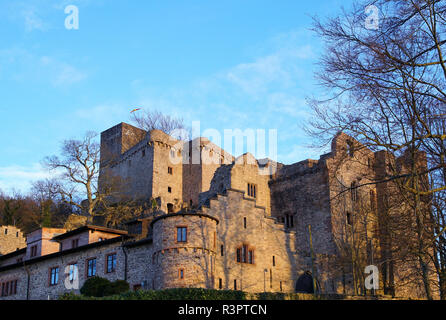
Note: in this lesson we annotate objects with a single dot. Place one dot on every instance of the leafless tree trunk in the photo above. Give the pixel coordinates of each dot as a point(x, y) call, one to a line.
point(387, 85)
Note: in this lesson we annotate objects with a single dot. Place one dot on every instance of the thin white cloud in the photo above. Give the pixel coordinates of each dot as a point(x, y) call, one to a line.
point(32, 21)
point(21, 65)
point(17, 177)
point(61, 73)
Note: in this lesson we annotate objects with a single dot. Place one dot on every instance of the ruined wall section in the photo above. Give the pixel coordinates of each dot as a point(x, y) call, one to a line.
point(202, 159)
point(301, 190)
point(351, 174)
point(242, 222)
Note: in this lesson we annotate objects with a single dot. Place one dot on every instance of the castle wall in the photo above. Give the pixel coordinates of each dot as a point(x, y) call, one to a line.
point(246, 171)
point(167, 185)
point(263, 235)
point(11, 239)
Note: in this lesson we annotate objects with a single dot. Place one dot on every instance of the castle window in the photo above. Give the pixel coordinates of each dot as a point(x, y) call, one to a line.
point(289, 221)
point(245, 255)
point(54, 276)
point(17, 234)
point(6, 231)
point(354, 191)
point(271, 278)
point(222, 250)
point(111, 262)
point(251, 190)
point(244, 222)
point(274, 261)
point(169, 170)
point(372, 200)
point(143, 153)
point(33, 251)
point(349, 218)
point(250, 256)
point(181, 274)
point(220, 283)
point(281, 289)
point(181, 234)
point(91, 267)
point(9, 288)
point(75, 243)
point(169, 208)
point(191, 203)
point(350, 149)
point(235, 284)
point(169, 189)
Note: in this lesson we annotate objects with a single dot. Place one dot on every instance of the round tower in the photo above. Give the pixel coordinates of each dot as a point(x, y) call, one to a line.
point(184, 250)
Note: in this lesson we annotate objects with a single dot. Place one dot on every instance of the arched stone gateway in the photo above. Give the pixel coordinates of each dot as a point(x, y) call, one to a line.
point(304, 283)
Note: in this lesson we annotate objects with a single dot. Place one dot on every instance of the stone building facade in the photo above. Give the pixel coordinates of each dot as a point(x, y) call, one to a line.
point(221, 222)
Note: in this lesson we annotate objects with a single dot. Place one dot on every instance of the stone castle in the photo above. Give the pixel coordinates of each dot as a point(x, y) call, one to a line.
point(221, 222)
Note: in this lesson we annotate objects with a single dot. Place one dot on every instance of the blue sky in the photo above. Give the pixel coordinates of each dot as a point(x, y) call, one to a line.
point(228, 64)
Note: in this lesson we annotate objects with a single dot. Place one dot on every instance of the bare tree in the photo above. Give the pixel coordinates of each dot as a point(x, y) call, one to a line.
point(387, 85)
point(78, 170)
point(155, 120)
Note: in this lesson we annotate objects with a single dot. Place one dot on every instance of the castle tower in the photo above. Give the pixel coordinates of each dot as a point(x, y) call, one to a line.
point(184, 250)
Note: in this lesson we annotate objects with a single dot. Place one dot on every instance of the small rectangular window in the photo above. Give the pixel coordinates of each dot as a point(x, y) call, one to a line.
point(349, 218)
point(181, 234)
point(252, 192)
point(91, 267)
point(33, 251)
point(169, 170)
point(235, 284)
point(75, 243)
point(220, 283)
point(169, 189)
point(54, 276)
point(111, 262)
point(181, 274)
point(244, 222)
point(222, 250)
point(274, 261)
point(251, 257)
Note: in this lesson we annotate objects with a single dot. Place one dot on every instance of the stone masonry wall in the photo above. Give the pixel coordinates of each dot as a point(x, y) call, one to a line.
point(11, 239)
point(262, 234)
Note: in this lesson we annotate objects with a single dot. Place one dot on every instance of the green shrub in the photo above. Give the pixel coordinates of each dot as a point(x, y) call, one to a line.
point(100, 287)
point(167, 294)
point(95, 287)
point(117, 287)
